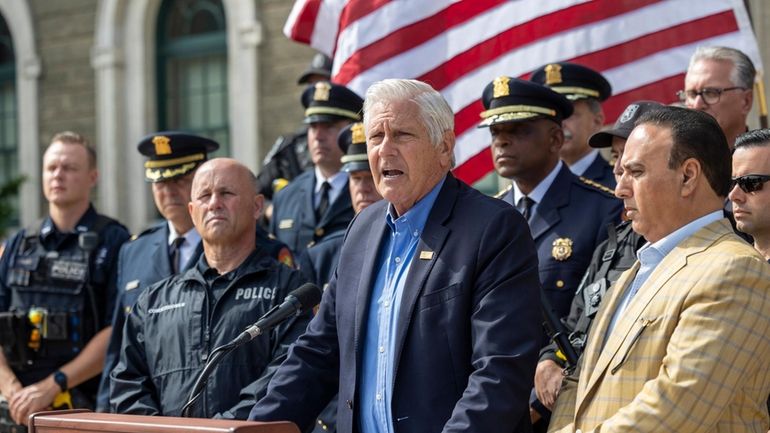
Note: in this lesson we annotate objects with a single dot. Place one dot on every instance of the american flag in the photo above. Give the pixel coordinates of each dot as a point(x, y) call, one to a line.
point(641, 46)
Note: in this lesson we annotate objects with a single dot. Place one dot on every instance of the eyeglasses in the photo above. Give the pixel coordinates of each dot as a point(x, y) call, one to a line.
point(710, 95)
point(750, 182)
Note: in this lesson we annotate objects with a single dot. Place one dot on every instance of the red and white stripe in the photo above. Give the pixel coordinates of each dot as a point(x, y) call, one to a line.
point(458, 46)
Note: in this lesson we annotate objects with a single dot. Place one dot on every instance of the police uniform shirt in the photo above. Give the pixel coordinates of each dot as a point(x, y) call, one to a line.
point(537, 193)
point(188, 247)
point(582, 164)
point(338, 182)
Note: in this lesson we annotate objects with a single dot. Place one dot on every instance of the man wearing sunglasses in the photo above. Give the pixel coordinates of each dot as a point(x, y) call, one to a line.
point(720, 81)
point(750, 192)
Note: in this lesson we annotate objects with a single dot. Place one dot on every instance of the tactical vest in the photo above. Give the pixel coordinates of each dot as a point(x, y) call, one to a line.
point(52, 307)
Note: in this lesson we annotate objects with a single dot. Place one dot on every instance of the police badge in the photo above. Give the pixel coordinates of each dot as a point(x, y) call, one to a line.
point(562, 249)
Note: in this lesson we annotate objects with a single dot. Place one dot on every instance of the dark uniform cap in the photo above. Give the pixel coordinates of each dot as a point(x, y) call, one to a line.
point(624, 125)
point(352, 141)
point(509, 99)
point(320, 65)
point(329, 102)
point(173, 154)
point(573, 81)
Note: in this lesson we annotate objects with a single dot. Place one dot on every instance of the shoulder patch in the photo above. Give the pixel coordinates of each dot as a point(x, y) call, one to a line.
point(285, 257)
point(597, 186)
point(503, 191)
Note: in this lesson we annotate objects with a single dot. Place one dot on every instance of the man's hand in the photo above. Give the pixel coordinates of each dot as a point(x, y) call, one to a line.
point(33, 398)
point(9, 386)
point(548, 377)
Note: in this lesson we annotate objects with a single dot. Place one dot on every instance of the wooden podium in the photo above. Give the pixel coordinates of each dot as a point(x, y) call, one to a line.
point(90, 422)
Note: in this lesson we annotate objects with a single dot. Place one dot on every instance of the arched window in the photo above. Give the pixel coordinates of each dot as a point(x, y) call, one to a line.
point(8, 115)
point(192, 69)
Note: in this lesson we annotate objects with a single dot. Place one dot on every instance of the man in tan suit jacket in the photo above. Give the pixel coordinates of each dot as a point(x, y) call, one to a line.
point(682, 343)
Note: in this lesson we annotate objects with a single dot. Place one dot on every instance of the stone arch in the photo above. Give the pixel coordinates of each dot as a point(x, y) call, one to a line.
point(19, 19)
point(124, 61)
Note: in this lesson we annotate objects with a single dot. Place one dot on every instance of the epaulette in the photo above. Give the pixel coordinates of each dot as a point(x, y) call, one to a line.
point(151, 229)
point(597, 186)
point(503, 192)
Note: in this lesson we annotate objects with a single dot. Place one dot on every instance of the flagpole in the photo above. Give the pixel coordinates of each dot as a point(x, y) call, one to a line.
point(760, 91)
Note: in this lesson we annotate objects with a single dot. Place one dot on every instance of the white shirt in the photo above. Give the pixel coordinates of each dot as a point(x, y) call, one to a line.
point(191, 240)
point(337, 183)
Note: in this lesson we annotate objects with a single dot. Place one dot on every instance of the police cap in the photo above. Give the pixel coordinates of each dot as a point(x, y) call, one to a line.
point(352, 141)
point(624, 124)
point(573, 81)
point(172, 154)
point(328, 102)
point(319, 65)
point(508, 99)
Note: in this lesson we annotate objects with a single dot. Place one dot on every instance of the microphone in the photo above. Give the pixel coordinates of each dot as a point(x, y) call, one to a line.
point(297, 302)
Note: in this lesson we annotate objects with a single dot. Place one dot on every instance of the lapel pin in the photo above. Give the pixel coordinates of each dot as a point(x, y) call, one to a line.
point(426, 255)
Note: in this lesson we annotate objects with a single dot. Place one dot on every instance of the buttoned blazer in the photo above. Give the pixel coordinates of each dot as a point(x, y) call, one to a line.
point(294, 222)
point(571, 211)
point(467, 331)
point(688, 354)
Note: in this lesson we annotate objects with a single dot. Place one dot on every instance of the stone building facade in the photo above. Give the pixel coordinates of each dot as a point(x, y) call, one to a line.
point(106, 68)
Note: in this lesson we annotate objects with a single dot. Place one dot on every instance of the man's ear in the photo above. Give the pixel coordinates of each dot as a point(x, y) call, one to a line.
point(692, 172)
point(259, 205)
point(556, 138)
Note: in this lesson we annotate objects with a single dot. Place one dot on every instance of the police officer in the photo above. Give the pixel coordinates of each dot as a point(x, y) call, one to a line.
point(171, 246)
point(611, 258)
point(318, 262)
point(316, 203)
point(289, 156)
point(586, 89)
point(57, 289)
point(567, 214)
point(176, 323)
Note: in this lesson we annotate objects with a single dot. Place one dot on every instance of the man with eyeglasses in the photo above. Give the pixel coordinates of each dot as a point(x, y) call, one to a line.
point(750, 193)
point(720, 81)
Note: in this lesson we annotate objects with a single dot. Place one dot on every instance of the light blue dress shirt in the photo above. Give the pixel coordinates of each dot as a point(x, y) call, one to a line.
point(394, 259)
point(538, 193)
point(581, 165)
point(650, 256)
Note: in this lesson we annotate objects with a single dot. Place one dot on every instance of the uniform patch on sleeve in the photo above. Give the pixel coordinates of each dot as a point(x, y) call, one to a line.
point(285, 257)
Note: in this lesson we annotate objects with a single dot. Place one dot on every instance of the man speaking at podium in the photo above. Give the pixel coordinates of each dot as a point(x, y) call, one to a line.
point(177, 323)
point(432, 320)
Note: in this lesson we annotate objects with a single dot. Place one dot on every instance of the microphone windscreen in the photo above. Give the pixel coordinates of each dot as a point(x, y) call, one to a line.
point(308, 295)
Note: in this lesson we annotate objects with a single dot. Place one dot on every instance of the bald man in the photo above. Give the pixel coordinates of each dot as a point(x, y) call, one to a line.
point(171, 332)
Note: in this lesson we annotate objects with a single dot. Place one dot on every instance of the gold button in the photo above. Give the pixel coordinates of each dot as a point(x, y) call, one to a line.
point(319, 232)
point(560, 284)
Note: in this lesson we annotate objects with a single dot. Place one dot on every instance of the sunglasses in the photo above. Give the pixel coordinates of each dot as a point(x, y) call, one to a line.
point(750, 182)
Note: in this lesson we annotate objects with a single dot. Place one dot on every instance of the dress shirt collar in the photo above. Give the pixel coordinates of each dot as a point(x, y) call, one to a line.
point(191, 237)
point(417, 215)
point(539, 191)
point(337, 183)
point(582, 164)
point(669, 242)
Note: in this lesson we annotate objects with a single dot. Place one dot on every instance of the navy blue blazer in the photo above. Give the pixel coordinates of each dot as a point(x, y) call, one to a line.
point(293, 221)
point(467, 333)
point(601, 171)
point(574, 215)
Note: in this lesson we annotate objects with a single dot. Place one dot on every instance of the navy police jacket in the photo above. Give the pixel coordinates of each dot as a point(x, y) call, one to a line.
point(175, 324)
point(294, 222)
point(601, 171)
point(467, 333)
point(568, 225)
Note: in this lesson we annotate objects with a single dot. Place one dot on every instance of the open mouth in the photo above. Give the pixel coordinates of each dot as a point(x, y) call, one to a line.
point(390, 174)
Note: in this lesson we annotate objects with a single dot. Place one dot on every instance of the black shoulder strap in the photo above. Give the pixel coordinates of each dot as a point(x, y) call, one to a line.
point(609, 253)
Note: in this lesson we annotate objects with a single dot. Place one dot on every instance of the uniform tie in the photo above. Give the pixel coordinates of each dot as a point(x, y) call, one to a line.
point(323, 202)
point(525, 204)
point(173, 253)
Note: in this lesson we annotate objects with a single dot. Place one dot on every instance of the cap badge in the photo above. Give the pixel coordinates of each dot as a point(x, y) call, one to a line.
point(162, 145)
point(562, 249)
point(629, 112)
point(501, 87)
point(553, 74)
point(357, 133)
point(322, 91)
